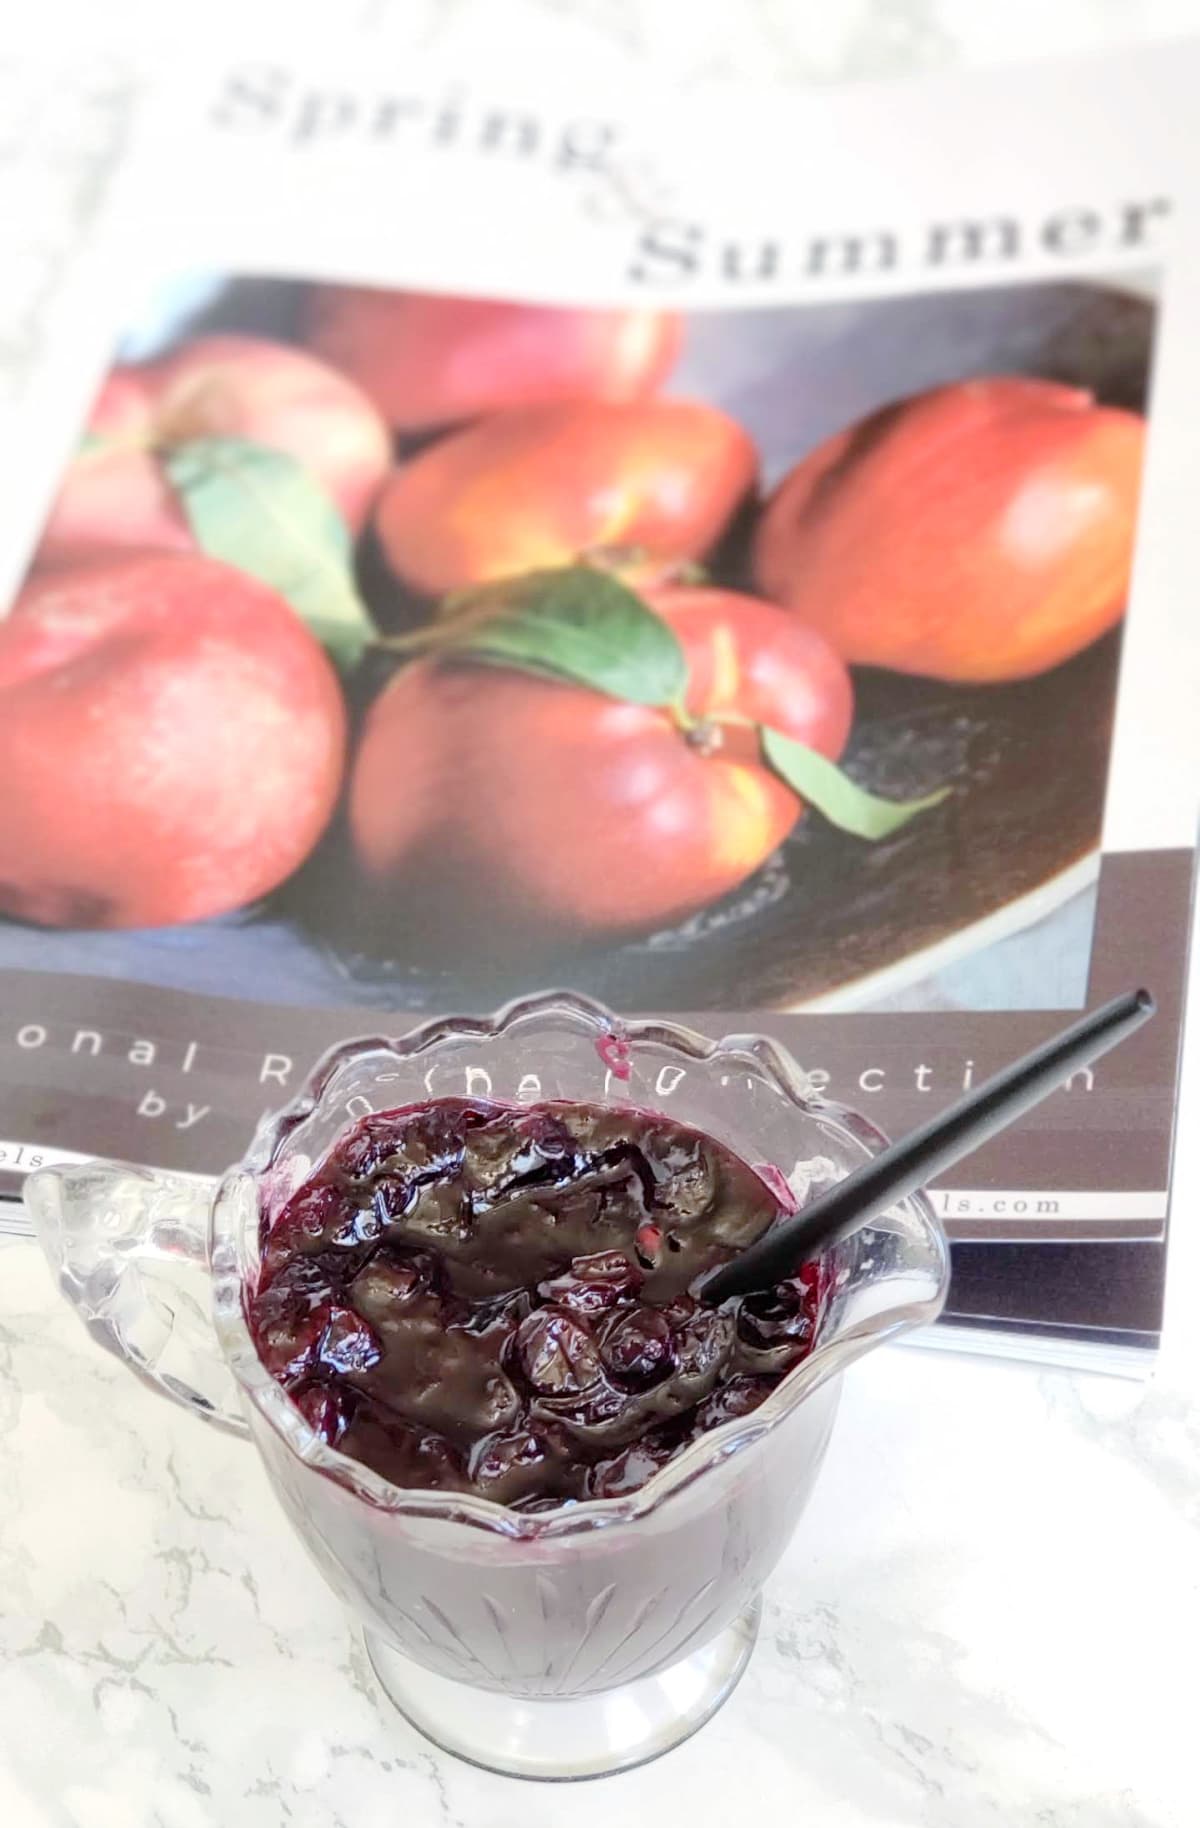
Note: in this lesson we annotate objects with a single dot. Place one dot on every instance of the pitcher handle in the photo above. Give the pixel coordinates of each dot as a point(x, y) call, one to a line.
point(130, 1249)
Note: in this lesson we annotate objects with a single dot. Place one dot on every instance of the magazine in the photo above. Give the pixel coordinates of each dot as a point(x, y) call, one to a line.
point(470, 541)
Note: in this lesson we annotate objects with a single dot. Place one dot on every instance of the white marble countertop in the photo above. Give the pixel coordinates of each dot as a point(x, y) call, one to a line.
point(991, 1612)
point(989, 1615)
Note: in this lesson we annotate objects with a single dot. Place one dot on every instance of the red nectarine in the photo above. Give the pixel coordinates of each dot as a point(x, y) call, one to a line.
point(982, 531)
point(428, 360)
point(655, 479)
point(115, 492)
point(517, 806)
point(171, 743)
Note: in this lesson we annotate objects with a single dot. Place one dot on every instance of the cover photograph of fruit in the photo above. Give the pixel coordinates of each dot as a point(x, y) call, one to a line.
point(399, 650)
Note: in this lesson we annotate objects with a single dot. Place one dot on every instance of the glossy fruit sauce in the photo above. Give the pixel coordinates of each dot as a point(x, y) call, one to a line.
point(470, 1296)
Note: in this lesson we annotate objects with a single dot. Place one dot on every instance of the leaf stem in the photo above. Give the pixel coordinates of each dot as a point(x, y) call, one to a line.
point(414, 642)
point(681, 717)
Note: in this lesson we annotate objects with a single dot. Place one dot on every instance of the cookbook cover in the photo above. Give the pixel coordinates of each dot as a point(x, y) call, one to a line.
point(465, 542)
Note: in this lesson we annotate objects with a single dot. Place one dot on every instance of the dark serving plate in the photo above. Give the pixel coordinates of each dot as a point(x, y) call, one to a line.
point(1027, 764)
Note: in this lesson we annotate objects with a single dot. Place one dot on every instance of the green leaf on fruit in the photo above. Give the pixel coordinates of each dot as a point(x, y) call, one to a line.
point(262, 512)
point(578, 624)
point(824, 785)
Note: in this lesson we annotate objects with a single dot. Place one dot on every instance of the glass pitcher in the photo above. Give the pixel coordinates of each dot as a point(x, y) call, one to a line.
point(558, 1644)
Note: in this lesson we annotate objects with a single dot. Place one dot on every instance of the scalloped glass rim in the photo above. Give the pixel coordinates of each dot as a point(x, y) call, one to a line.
point(562, 1008)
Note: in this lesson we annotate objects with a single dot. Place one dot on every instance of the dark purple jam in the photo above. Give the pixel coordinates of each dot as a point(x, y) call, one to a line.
point(469, 1296)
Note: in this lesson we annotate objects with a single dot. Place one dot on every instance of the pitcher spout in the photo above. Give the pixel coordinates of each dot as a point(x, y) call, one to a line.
point(889, 1278)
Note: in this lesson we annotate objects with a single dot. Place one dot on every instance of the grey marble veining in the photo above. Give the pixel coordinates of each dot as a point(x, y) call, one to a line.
point(987, 1617)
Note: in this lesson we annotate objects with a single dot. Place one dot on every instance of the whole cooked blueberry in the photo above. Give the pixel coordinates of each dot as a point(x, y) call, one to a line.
point(388, 1281)
point(288, 1342)
point(594, 1284)
point(348, 1343)
point(787, 1314)
point(499, 1454)
point(312, 1213)
point(326, 1410)
point(740, 1396)
point(557, 1353)
point(629, 1470)
point(638, 1347)
point(526, 1463)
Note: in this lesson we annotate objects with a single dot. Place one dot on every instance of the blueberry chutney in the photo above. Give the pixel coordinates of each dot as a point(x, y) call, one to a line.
point(479, 1297)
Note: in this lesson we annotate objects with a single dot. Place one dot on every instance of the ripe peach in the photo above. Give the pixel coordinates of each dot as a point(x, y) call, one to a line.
point(517, 807)
point(171, 743)
point(535, 489)
point(115, 492)
point(427, 360)
point(982, 531)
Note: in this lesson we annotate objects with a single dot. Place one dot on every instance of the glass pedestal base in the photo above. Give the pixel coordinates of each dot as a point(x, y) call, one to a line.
point(585, 1736)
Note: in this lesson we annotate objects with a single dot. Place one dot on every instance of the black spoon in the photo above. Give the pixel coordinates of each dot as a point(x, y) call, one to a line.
point(915, 1159)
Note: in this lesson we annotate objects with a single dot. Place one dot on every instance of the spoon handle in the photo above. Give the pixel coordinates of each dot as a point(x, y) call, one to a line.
point(913, 1161)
